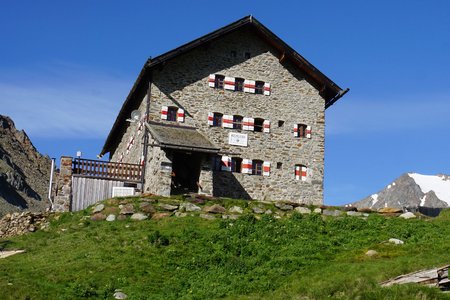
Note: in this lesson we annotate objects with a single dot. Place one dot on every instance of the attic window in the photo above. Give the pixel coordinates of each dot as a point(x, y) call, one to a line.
point(219, 81)
point(259, 87)
point(239, 84)
point(172, 113)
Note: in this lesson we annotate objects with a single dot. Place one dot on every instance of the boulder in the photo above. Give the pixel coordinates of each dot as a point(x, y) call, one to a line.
point(120, 295)
point(317, 210)
point(407, 215)
point(352, 213)
point(168, 207)
point(147, 208)
point(138, 217)
point(268, 212)
point(258, 210)
point(232, 217)
point(189, 207)
point(283, 206)
point(214, 209)
point(332, 213)
point(390, 210)
point(396, 241)
point(161, 215)
point(111, 218)
point(126, 209)
point(371, 253)
point(236, 209)
point(98, 217)
point(302, 210)
point(180, 214)
point(98, 208)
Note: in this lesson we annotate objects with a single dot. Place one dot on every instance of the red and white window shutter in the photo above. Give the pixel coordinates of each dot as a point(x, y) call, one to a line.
point(249, 86)
point(229, 83)
point(296, 130)
point(226, 163)
point(304, 173)
point(266, 126)
point(227, 121)
point(246, 166)
point(248, 124)
point(301, 172)
point(180, 115)
point(164, 111)
point(266, 168)
point(267, 89)
point(212, 80)
point(210, 119)
point(308, 132)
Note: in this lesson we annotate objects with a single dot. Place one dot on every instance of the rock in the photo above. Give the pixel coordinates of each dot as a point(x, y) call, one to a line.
point(98, 208)
point(407, 215)
point(189, 207)
point(214, 209)
point(396, 241)
point(168, 207)
point(354, 213)
point(302, 210)
point(232, 217)
point(365, 210)
point(120, 295)
point(206, 216)
point(283, 206)
point(268, 212)
point(180, 214)
point(161, 215)
point(121, 217)
point(371, 253)
point(98, 217)
point(138, 217)
point(332, 213)
point(389, 210)
point(317, 210)
point(147, 208)
point(111, 218)
point(126, 209)
point(236, 209)
point(257, 210)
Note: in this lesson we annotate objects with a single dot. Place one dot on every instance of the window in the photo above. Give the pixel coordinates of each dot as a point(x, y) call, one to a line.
point(301, 172)
point(279, 165)
point(259, 87)
point(237, 122)
point(280, 123)
point(172, 113)
point(217, 119)
point(301, 130)
point(239, 84)
point(257, 167)
point(218, 81)
point(236, 164)
point(259, 125)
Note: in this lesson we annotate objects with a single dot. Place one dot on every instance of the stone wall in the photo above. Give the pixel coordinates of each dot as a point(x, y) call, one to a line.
point(63, 195)
point(183, 82)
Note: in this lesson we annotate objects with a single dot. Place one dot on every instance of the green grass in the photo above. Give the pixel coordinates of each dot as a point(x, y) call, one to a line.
point(300, 257)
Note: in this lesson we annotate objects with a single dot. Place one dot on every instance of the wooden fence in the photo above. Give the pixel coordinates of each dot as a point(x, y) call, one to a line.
point(106, 170)
point(87, 191)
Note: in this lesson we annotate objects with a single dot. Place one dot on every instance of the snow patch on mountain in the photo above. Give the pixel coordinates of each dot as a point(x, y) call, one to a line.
point(374, 199)
point(439, 184)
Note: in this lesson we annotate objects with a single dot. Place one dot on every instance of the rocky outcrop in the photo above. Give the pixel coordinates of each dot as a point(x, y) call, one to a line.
point(21, 223)
point(24, 172)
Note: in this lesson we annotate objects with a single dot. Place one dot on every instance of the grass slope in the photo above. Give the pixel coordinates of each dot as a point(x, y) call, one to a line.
point(300, 257)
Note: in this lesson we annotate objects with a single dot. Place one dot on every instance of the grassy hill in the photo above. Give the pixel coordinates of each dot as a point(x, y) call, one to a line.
point(295, 257)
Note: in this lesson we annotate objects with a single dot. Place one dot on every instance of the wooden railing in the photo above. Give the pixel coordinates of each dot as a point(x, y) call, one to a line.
point(106, 170)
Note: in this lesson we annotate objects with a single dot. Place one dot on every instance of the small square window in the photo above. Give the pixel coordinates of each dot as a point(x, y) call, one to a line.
point(237, 122)
point(257, 167)
point(239, 84)
point(280, 123)
point(259, 87)
point(217, 119)
point(279, 165)
point(219, 81)
point(172, 113)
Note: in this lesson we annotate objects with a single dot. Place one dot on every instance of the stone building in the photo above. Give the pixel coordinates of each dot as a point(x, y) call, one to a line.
point(236, 113)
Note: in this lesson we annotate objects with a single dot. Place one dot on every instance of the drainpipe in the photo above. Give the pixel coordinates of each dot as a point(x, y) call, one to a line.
point(146, 132)
point(51, 184)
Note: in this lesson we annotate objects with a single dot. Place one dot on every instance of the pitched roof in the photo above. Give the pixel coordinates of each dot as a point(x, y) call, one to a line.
point(329, 90)
point(180, 137)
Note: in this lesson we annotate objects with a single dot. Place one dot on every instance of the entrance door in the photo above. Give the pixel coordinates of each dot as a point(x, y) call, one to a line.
point(185, 172)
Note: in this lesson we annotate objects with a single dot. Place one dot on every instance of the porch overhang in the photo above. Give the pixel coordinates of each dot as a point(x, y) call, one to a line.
point(180, 138)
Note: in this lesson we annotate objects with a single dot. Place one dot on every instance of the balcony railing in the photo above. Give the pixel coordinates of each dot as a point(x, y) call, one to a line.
point(106, 170)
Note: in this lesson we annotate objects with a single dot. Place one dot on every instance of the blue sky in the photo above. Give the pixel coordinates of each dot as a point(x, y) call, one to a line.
point(66, 67)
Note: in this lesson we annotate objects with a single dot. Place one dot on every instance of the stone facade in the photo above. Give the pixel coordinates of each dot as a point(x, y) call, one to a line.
point(183, 82)
point(63, 196)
